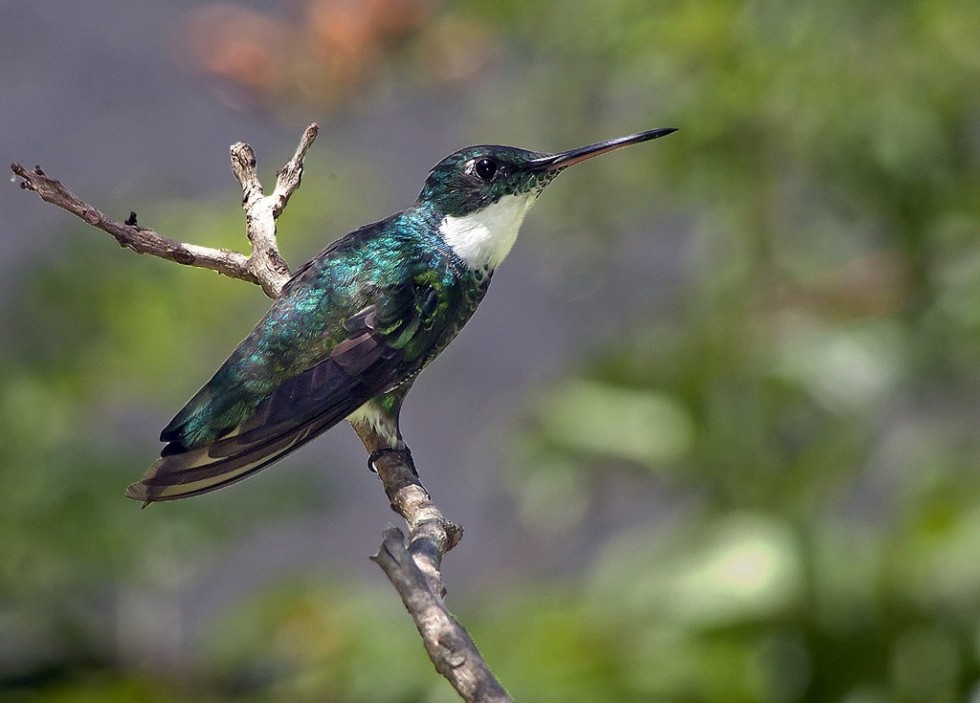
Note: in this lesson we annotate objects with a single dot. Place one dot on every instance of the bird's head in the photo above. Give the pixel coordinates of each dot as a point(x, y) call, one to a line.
point(481, 193)
point(476, 177)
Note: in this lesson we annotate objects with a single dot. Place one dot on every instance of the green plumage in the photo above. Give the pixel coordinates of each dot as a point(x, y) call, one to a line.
point(420, 295)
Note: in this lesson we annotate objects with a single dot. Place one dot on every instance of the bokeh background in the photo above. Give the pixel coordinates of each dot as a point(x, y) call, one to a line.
point(713, 434)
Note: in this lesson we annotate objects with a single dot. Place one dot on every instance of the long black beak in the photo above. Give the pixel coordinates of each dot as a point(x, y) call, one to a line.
point(564, 159)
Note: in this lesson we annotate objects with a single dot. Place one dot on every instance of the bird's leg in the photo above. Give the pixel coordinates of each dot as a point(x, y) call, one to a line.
point(388, 455)
point(376, 423)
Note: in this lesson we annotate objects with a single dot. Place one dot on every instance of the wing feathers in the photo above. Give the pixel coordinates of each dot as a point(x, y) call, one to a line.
point(298, 410)
point(226, 432)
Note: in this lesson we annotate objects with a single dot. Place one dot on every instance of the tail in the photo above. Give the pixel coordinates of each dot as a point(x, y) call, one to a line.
point(227, 432)
point(208, 449)
point(219, 464)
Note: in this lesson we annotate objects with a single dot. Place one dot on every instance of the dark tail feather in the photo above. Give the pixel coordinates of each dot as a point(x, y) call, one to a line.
point(216, 441)
point(219, 464)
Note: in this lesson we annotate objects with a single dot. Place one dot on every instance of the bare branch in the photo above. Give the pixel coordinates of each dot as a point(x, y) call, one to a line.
point(449, 646)
point(415, 572)
point(139, 239)
point(265, 267)
point(288, 178)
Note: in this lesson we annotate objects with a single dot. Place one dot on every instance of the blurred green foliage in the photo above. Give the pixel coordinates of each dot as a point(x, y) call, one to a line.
point(807, 407)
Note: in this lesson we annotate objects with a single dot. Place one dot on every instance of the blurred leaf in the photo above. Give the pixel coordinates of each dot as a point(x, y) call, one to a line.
point(641, 426)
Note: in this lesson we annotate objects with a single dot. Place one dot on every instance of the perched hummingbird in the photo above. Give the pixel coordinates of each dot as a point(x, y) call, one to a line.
point(353, 327)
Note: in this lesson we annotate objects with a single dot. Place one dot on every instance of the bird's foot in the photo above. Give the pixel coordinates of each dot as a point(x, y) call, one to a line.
point(404, 453)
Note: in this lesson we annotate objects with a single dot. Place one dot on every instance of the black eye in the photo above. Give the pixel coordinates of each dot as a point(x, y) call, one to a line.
point(486, 168)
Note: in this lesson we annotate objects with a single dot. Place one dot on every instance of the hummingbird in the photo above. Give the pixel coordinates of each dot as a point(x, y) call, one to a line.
point(354, 326)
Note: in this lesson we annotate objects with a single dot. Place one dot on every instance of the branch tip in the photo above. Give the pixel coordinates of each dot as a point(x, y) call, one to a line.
point(309, 136)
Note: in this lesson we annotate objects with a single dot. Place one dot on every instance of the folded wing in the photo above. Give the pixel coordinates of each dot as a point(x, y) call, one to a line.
point(226, 433)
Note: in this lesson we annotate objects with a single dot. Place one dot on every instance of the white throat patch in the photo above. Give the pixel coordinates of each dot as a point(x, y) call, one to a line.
point(485, 237)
